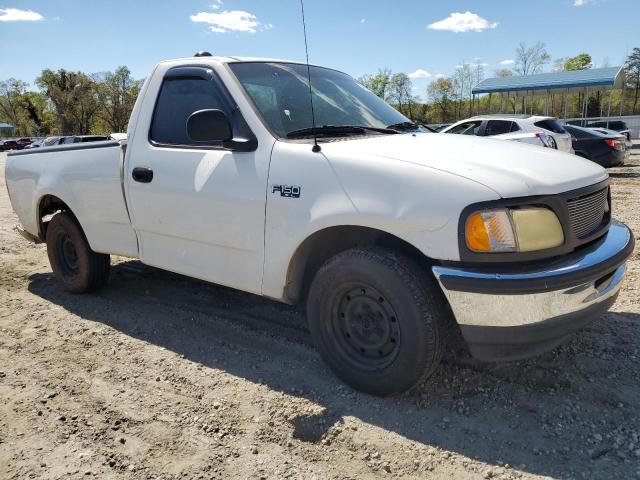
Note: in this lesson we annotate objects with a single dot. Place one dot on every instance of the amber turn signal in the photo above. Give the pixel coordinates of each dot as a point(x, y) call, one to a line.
point(490, 231)
point(477, 235)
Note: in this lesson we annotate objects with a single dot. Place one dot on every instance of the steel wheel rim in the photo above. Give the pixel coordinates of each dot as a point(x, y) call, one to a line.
point(68, 255)
point(366, 328)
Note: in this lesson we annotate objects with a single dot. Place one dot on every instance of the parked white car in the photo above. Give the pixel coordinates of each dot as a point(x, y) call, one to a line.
point(507, 126)
point(398, 240)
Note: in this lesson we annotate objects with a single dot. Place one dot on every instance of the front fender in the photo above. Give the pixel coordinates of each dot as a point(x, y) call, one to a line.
point(414, 203)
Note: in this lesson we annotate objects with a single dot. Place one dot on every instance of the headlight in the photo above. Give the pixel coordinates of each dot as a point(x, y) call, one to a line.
point(513, 230)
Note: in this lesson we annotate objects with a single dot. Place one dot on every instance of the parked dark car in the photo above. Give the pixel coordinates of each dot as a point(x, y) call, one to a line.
point(628, 143)
point(605, 150)
point(23, 142)
point(617, 125)
point(83, 138)
point(9, 145)
point(15, 144)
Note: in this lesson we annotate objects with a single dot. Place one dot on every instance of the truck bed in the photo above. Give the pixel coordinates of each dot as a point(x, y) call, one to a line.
point(94, 194)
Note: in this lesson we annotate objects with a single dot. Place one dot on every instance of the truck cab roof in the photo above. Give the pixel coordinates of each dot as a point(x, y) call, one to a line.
point(205, 60)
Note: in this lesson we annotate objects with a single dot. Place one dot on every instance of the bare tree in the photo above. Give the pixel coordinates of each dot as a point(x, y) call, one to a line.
point(530, 60)
point(463, 78)
point(558, 64)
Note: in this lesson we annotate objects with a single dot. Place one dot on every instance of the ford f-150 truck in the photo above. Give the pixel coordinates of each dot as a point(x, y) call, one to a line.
point(397, 239)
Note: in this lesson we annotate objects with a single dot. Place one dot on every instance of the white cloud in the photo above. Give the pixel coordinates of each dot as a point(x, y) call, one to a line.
point(17, 15)
point(440, 75)
point(507, 61)
point(419, 73)
point(579, 3)
point(362, 20)
point(463, 22)
point(229, 21)
point(216, 4)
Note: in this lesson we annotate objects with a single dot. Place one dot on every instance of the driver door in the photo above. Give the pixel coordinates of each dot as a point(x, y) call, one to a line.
point(197, 208)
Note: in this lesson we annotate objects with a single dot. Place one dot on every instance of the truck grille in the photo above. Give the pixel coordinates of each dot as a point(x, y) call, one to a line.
point(587, 213)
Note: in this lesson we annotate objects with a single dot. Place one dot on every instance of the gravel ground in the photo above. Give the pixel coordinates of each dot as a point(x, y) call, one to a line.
point(161, 376)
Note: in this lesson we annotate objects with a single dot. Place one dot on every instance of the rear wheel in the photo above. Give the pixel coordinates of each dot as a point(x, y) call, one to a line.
point(377, 320)
point(74, 264)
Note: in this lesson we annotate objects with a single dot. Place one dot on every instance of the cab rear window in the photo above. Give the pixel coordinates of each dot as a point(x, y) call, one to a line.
point(552, 125)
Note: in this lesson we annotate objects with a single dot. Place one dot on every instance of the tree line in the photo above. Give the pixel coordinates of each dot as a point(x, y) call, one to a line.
point(76, 103)
point(69, 103)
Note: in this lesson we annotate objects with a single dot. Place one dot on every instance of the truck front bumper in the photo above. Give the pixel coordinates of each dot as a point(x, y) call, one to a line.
point(514, 313)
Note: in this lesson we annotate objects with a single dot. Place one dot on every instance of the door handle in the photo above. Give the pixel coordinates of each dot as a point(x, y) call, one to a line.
point(142, 174)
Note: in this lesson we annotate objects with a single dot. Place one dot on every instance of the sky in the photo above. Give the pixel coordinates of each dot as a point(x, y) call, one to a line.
point(422, 38)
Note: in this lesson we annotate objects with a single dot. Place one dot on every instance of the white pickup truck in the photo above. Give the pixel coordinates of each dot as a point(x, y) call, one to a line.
point(397, 239)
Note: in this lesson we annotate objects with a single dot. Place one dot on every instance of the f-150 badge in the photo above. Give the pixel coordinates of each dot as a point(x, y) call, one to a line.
point(291, 191)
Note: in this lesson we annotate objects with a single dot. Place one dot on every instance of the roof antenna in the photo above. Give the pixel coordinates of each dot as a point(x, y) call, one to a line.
point(316, 147)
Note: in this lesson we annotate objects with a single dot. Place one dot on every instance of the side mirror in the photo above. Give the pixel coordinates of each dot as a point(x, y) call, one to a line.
point(210, 125)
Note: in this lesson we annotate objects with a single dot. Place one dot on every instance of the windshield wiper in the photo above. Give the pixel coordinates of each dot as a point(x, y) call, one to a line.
point(404, 126)
point(337, 130)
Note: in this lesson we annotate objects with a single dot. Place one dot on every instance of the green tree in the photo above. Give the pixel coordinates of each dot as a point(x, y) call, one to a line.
point(632, 75)
point(11, 106)
point(116, 93)
point(378, 83)
point(441, 93)
point(399, 93)
point(581, 61)
point(504, 72)
point(73, 97)
point(24, 109)
point(40, 118)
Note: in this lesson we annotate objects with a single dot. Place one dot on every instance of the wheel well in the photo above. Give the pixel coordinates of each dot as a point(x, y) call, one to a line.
point(326, 243)
point(48, 206)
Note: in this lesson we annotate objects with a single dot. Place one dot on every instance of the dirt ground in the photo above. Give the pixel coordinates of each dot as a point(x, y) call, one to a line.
point(161, 376)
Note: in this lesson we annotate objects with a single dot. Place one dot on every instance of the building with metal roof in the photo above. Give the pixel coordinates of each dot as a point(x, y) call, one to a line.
point(5, 127)
point(544, 84)
point(612, 77)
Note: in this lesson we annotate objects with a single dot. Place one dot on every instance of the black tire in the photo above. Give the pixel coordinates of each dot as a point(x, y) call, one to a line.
point(74, 264)
point(378, 320)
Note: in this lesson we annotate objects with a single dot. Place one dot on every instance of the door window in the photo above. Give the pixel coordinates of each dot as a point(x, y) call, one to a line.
point(179, 97)
point(497, 127)
point(466, 128)
point(550, 124)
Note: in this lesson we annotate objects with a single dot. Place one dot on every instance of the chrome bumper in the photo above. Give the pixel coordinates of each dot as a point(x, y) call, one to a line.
point(509, 314)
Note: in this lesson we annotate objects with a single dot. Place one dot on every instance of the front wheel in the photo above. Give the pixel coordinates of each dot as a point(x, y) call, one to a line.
point(377, 320)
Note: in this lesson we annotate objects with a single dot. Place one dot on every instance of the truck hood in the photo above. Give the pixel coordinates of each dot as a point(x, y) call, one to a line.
point(511, 169)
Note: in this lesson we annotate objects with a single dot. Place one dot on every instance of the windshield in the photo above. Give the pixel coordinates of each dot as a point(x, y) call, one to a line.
point(280, 92)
